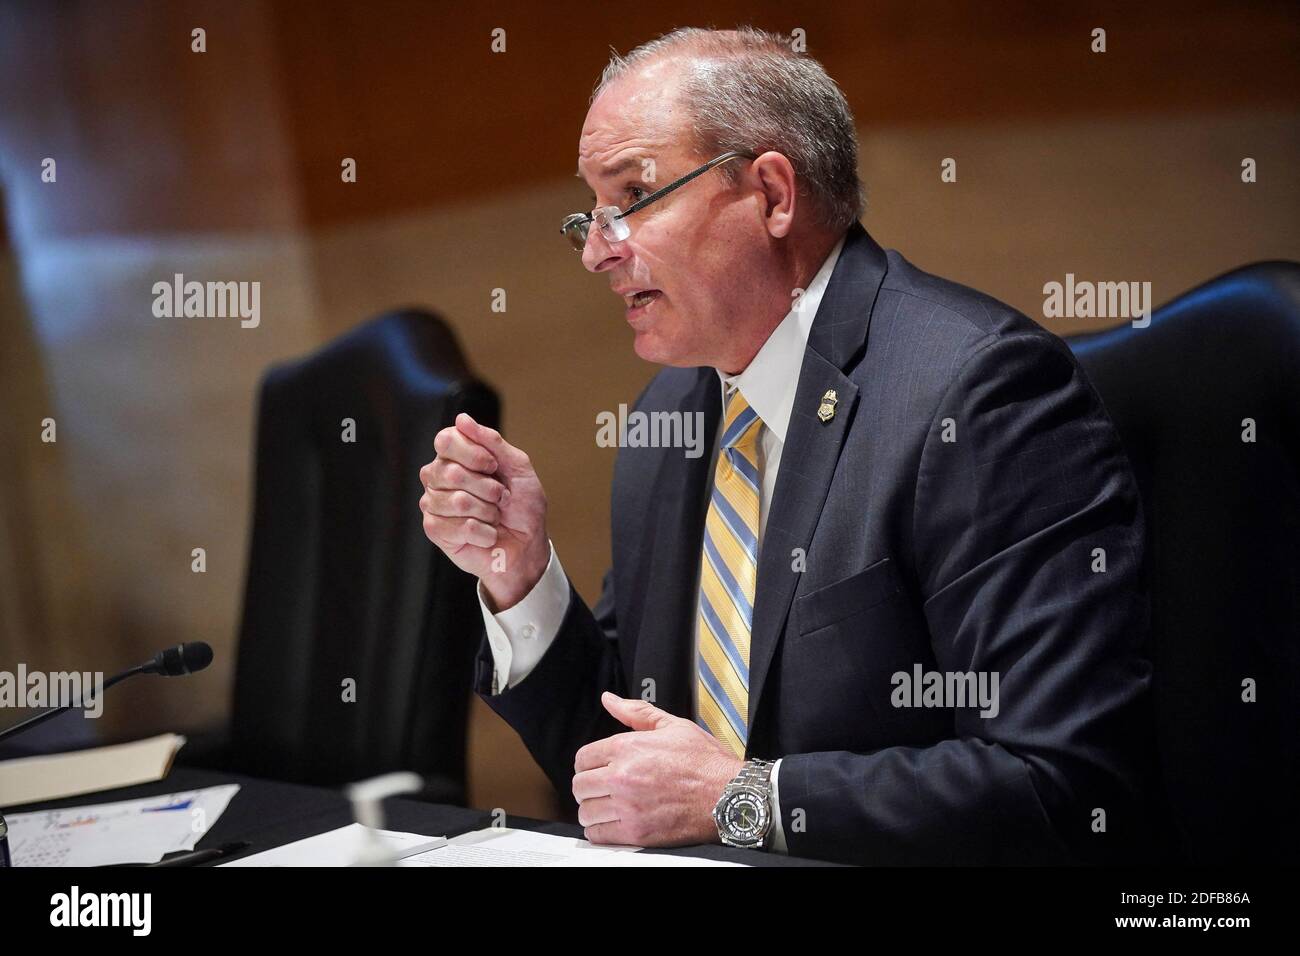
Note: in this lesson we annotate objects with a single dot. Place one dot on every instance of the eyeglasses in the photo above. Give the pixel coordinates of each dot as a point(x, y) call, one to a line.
point(610, 220)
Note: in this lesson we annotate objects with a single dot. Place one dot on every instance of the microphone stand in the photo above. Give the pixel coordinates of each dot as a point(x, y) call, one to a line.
point(45, 715)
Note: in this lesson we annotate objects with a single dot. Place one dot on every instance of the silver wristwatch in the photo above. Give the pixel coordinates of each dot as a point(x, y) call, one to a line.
point(743, 813)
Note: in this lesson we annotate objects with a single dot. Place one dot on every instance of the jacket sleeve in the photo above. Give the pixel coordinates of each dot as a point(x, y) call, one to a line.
point(1028, 550)
point(556, 709)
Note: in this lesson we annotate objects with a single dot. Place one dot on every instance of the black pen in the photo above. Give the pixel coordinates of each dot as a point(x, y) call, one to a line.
point(195, 857)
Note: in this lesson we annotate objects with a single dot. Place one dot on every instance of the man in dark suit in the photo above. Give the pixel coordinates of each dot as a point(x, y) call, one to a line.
point(896, 616)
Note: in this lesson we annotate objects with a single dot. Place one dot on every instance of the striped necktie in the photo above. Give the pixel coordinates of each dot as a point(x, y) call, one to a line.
point(728, 572)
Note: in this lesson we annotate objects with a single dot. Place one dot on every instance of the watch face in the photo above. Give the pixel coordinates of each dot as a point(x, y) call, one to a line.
point(745, 817)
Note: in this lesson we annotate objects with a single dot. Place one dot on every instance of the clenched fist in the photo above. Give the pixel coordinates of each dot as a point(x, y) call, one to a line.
point(484, 507)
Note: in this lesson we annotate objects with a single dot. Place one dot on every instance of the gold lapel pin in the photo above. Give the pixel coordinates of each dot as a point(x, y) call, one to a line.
point(827, 410)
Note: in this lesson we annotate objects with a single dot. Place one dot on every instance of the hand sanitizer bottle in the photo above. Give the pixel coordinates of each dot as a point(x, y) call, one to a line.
point(367, 797)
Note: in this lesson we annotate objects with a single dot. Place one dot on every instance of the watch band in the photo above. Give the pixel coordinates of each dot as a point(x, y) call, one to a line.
point(755, 773)
point(758, 773)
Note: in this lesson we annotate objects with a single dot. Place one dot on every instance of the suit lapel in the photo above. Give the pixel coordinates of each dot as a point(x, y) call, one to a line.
point(812, 446)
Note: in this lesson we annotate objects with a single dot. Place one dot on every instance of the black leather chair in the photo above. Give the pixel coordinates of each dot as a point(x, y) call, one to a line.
point(1223, 519)
point(342, 584)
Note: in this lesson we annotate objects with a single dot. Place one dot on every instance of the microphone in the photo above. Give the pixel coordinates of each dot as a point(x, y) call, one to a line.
point(178, 660)
point(173, 662)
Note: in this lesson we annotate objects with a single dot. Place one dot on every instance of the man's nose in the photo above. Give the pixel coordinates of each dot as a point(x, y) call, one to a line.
point(601, 255)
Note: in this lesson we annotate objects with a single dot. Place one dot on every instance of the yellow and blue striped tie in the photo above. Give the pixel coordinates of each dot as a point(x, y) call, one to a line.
point(728, 573)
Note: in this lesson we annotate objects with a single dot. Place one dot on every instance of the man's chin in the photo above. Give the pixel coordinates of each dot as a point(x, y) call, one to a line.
point(651, 348)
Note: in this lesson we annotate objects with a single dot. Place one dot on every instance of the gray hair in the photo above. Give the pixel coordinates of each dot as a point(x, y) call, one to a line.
point(748, 90)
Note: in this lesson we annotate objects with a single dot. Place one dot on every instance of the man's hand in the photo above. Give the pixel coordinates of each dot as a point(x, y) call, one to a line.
point(654, 786)
point(483, 505)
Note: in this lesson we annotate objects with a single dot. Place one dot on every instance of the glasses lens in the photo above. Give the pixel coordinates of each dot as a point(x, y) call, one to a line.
point(574, 228)
point(613, 228)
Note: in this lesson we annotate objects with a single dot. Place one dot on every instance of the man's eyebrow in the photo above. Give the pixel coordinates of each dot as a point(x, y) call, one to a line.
point(619, 167)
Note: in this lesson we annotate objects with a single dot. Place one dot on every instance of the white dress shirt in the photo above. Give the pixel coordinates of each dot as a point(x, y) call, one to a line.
point(520, 635)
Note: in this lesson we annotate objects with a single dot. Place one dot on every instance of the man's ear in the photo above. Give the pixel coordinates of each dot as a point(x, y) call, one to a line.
point(776, 179)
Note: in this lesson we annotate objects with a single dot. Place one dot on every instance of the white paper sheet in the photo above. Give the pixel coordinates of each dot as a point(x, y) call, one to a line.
point(502, 846)
point(129, 831)
point(337, 848)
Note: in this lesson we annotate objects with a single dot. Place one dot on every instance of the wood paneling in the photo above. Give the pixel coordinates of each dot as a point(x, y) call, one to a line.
point(157, 138)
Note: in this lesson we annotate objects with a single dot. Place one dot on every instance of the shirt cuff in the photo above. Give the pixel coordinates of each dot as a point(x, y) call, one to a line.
point(778, 844)
point(520, 635)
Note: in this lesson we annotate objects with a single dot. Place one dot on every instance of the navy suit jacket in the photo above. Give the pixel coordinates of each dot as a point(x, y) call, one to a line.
point(968, 508)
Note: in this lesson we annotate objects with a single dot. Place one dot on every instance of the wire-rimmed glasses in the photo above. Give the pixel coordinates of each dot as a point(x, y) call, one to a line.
point(611, 221)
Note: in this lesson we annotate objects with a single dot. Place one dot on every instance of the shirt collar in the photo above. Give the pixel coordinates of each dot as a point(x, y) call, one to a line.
point(771, 378)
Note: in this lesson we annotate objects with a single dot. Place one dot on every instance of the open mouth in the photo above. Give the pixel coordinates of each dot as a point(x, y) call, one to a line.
point(638, 300)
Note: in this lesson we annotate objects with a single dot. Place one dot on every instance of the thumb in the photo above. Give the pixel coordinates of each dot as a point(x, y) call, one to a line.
point(635, 713)
point(506, 454)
